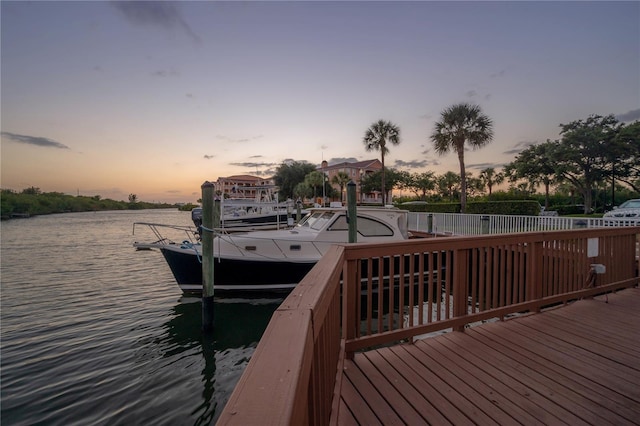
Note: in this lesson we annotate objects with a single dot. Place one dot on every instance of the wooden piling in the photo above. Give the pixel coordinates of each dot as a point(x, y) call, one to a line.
point(298, 210)
point(207, 254)
point(352, 212)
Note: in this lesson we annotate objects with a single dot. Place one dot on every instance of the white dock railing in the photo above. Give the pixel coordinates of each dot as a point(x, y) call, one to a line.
point(479, 224)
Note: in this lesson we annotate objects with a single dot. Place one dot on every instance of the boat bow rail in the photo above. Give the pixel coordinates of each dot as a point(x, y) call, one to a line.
point(187, 238)
point(166, 235)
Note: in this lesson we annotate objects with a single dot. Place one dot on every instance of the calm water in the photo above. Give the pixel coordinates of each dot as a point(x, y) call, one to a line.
point(96, 333)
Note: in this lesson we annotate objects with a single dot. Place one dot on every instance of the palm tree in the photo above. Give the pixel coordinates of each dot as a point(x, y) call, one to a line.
point(489, 178)
point(314, 179)
point(447, 184)
point(341, 179)
point(376, 138)
point(459, 125)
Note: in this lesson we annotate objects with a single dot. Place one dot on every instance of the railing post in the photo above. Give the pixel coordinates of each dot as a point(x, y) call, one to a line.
point(535, 273)
point(460, 284)
point(350, 286)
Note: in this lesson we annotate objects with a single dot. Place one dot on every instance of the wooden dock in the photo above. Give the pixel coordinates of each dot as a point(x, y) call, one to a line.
point(575, 364)
point(341, 348)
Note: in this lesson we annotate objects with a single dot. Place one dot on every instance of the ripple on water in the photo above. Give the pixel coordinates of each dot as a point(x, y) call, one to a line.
point(95, 333)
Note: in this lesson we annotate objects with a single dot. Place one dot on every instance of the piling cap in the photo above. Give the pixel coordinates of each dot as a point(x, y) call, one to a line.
point(207, 184)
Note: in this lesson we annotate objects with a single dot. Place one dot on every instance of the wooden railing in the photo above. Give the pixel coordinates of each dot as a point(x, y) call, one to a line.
point(394, 292)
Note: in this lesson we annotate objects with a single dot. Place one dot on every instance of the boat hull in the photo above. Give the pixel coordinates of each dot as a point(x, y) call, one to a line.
point(235, 275)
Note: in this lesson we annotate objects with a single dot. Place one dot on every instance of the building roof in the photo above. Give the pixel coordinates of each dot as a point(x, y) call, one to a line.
point(243, 177)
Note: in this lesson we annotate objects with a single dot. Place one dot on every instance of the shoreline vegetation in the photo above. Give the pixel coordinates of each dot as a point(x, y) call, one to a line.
point(32, 202)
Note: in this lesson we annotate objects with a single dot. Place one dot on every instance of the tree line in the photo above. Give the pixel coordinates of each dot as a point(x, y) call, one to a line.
point(592, 156)
point(32, 201)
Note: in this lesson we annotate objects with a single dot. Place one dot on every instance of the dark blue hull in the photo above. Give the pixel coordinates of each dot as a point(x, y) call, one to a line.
point(235, 275)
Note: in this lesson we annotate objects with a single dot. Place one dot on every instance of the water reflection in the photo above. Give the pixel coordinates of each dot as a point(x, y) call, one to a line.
point(237, 322)
point(238, 326)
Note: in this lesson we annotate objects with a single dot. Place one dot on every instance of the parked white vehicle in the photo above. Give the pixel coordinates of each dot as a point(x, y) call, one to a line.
point(630, 208)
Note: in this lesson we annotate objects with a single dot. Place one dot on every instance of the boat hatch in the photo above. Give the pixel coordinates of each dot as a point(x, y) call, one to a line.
point(295, 247)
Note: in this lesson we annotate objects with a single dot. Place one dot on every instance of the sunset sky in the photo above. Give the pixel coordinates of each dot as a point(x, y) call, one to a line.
point(149, 98)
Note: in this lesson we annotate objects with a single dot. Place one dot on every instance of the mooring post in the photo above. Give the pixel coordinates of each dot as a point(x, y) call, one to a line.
point(289, 212)
point(298, 210)
point(217, 219)
point(352, 212)
point(208, 213)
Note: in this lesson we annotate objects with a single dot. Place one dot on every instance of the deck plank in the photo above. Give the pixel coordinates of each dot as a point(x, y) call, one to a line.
point(358, 375)
point(535, 403)
point(530, 366)
point(388, 384)
point(574, 364)
point(495, 384)
point(590, 355)
point(355, 403)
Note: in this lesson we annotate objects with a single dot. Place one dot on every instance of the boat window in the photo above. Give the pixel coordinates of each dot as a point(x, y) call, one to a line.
point(366, 227)
point(316, 220)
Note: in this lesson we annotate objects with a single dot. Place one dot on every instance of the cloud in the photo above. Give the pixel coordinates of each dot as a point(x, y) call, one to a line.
point(34, 140)
point(632, 115)
point(267, 172)
point(164, 73)
point(482, 166)
point(340, 160)
point(500, 73)
point(471, 93)
point(519, 147)
point(209, 157)
point(268, 168)
point(252, 164)
point(415, 164)
point(238, 140)
point(162, 14)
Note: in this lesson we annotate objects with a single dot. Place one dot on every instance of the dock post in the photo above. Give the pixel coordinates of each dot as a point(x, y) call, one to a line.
point(208, 213)
point(352, 212)
point(298, 210)
point(430, 223)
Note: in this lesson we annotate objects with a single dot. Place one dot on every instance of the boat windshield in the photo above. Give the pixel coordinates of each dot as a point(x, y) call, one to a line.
point(317, 220)
point(367, 227)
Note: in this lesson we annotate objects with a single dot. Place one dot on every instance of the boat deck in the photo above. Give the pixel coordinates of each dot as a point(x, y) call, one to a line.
point(575, 364)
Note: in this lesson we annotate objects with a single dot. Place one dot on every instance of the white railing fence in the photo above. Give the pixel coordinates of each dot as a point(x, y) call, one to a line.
point(479, 224)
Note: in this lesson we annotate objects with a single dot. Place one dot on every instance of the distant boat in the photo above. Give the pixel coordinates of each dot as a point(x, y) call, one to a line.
point(274, 260)
point(259, 211)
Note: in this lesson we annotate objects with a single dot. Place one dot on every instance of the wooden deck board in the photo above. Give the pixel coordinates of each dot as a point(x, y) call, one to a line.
point(575, 364)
